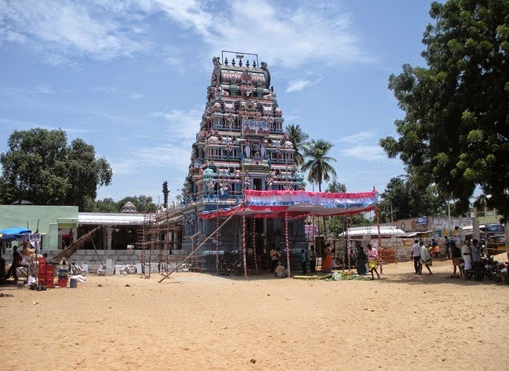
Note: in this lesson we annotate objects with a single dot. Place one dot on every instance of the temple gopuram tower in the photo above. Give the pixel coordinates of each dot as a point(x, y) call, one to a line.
point(240, 144)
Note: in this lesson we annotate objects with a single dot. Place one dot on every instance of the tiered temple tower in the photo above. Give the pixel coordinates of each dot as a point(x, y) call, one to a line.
point(240, 145)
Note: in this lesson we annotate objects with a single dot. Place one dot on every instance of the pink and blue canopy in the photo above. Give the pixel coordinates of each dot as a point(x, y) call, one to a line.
point(274, 204)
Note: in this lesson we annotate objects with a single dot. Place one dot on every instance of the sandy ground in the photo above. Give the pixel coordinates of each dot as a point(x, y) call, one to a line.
point(194, 321)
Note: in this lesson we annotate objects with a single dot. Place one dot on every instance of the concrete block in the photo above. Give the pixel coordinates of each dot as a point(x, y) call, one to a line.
point(109, 267)
point(154, 267)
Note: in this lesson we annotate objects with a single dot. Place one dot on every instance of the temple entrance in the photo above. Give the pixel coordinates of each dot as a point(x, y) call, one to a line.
point(257, 184)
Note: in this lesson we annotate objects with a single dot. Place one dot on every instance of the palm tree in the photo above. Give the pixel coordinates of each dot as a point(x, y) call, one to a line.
point(298, 139)
point(318, 162)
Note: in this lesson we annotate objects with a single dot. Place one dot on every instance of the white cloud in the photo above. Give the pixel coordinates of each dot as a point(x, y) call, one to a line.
point(300, 84)
point(360, 137)
point(67, 28)
point(135, 95)
point(364, 152)
point(182, 125)
point(45, 89)
point(181, 132)
point(166, 157)
point(296, 34)
point(291, 34)
point(361, 146)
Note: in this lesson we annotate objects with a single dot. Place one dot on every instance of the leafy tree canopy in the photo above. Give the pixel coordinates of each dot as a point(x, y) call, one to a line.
point(336, 187)
point(143, 204)
point(455, 133)
point(42, 168)
point(401, 200)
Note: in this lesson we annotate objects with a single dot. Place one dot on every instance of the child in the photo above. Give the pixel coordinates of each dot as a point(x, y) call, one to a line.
point(280, 271)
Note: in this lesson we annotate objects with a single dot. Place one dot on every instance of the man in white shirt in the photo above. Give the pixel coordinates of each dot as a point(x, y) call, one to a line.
point(280, 271)
point(416, 256)
point(425, 258)
point(467, 257)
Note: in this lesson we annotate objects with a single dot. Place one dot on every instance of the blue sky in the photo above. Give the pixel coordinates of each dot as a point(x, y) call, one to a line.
point(130, 76)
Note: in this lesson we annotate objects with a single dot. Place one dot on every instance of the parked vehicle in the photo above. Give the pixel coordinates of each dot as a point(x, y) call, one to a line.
point(490, 269)
point(227, 266)
point(504, 272)
point(495, 244)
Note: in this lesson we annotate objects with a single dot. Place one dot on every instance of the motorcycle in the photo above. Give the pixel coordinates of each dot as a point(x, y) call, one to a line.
point(227, 266)
point(489, 268)
point(504, 275)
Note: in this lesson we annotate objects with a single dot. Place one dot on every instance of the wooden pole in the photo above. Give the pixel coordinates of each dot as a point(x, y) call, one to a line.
point(287, 243)
point(196, 249)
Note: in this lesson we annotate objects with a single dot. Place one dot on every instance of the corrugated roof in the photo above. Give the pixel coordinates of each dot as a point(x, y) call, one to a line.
point(109, 218)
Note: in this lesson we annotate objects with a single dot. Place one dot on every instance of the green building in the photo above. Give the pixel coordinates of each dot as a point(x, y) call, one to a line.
point(55, 224)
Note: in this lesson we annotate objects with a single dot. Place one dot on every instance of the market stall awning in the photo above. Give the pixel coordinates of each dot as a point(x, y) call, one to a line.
point(11, 234)
point(274, 204)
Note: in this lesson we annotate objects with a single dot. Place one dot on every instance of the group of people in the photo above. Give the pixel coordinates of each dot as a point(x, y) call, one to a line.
point(421, 257)
point(369, 259)
point(277, 261)
point(467, 259)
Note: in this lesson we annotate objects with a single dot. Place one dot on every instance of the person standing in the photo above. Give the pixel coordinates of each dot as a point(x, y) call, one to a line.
point(416, 256)
point(16, 262)
point(447, 248)
point(425, 258)
point(457, 261)
point(436, 250)
point(2, 265)
point(373, 261)
point(467, 258)
point(327, 259)
point(361, 261)
point(274, 257)
point(312, 259)
point(475, 250)
point(304, 261)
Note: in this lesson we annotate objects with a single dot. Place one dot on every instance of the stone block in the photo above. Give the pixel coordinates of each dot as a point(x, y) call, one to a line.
point(154, 267)
point(110, 269)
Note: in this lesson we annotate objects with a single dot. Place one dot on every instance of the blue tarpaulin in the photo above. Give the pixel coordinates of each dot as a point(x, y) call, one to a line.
point(11, 234)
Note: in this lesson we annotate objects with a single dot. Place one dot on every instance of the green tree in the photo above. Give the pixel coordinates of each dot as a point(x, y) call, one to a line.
point(336, 187)
point(40, 167)
point(401, 200)
point(317, 162)
point(143, 204)
point(106, 205)
point(298, 139)
point(455, 133)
